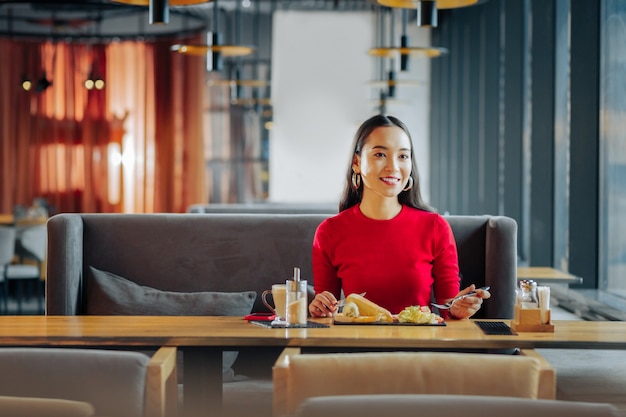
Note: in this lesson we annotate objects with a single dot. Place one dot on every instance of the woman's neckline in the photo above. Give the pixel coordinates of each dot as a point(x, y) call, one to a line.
point(382, 215)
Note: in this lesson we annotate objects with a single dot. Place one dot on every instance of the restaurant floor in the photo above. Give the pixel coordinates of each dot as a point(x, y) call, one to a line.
point(593, 375)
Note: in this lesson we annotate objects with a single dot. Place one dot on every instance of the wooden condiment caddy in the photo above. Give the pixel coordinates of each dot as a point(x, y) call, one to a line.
point(529, 320)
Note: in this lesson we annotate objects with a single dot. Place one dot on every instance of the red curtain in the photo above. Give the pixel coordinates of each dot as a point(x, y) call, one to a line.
point(134, 146)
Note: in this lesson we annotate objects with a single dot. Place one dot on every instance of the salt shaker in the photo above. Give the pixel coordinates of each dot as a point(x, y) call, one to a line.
point(528, 297)
point(296, 299)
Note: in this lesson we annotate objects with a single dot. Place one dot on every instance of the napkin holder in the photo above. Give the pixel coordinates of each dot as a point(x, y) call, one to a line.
point(529, 320)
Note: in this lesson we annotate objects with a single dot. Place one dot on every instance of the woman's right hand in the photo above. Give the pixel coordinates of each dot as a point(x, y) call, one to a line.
point(323, 305)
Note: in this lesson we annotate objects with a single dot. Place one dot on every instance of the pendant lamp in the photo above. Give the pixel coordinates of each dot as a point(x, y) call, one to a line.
point(381, 103)
point(160, 9)
point(251, 101)
point(404, 41)
point(201, 49)
point(441, 4)
point(242, 83)
point(235, 82)
point(159, 12)
point(172, 2)
point(395, 83)
point(43, 83)
point(426, 14)
point(27, 84)
point(404, 50)
point(424, 51)
point(213, 49)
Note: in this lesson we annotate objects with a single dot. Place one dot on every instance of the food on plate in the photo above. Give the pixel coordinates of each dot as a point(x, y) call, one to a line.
point(365, 307)
point(361, 319)
point(351, 314)
point(359, 309)
point(350, 309)
point(419, 315)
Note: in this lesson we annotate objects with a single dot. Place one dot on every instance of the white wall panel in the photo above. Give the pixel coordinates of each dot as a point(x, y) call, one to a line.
point(320, 95)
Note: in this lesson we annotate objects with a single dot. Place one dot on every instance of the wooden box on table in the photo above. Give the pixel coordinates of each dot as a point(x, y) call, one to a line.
point(529, 320)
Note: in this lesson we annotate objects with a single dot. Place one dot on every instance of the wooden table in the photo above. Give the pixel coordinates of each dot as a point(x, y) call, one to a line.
point(6, 219)
point(202, 339)
point(545, 275)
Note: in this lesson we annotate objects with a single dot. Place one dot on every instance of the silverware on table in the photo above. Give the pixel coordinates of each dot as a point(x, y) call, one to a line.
point(448, 305)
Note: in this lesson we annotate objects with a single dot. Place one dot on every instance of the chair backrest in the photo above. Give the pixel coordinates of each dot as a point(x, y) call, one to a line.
point(302, 376)
point(35, 240)
point(487, 248)
point(239, 252)
point(270, 208)
point(412, 405)
point(112, 381)
point(7, 245)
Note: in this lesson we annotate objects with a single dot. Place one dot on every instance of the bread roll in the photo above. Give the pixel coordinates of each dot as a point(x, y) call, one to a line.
point(369, 308)
point(351, 310)
point(360, 319)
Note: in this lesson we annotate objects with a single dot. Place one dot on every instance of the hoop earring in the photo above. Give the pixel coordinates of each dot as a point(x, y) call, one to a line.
point(356, 180)
point(409, 184)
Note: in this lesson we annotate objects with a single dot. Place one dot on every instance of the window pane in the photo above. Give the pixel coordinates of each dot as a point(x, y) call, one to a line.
point(613, 149)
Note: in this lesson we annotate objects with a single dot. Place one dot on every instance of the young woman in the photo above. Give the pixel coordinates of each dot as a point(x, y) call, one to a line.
point(386, 241)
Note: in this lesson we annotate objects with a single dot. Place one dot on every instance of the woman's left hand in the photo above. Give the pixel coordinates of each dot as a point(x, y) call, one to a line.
point(468, 306)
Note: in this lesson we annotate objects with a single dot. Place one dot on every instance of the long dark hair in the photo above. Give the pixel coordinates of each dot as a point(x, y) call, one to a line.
point(351, 196)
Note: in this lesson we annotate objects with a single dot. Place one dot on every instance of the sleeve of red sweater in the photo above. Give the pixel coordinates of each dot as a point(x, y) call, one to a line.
point(324, 272)
point(446, 283)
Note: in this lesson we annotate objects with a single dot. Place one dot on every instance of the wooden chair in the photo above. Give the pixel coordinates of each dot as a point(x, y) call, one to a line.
point(297, 377)
point(413, 405)
point(31, 248)
point(115, 383)
point(34, 241)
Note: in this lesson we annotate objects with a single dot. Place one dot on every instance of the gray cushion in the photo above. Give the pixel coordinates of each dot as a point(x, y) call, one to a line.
point(114, 382)
point(110, 294)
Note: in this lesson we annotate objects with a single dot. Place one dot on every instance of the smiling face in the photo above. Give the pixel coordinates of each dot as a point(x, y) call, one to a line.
point(384, 163)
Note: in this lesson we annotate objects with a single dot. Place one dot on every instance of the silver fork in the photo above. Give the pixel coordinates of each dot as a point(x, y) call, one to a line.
point(448, 305)
point(342, 302)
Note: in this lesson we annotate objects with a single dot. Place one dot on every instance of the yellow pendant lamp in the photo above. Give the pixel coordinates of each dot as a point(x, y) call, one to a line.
point(404, 51)
point(225, 50)
point(213, 49)
point(441, 4)
point(160, 9)
point(424, 51)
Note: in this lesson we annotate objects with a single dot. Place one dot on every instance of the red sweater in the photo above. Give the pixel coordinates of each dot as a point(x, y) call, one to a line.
point(398, 262)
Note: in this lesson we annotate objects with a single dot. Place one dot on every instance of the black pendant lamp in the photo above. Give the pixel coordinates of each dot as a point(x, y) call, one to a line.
point(43, 83)
point(427, 14)
point(159, 12)
point(171, 2)
point(404, 41)
point(160, 9)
